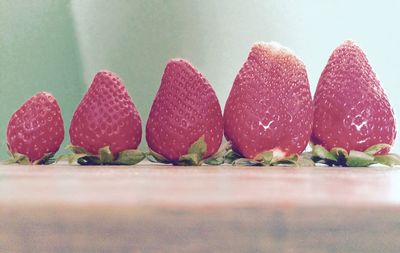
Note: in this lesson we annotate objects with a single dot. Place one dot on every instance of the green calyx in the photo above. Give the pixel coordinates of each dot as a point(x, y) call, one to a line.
point(24, 160)
point(340, 157)
point(267, 158)
point(105, 156)
point(194, 157)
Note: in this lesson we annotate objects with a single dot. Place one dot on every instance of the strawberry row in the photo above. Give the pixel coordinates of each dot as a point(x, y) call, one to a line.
point(269, 117)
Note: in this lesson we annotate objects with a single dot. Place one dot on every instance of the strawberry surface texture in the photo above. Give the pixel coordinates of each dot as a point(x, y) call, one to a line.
point(351, 109)
point(269, 107)
point(184, 109)
point(106, 116)
point(36, 129)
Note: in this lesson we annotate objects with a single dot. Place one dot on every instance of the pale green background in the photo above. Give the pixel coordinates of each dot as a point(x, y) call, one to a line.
point(58, 45)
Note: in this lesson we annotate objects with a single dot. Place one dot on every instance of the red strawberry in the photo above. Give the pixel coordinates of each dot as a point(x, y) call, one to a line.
point(36, 129)
point(184, 109)
point(106, 116)
point(269, 107)
point(351, 109)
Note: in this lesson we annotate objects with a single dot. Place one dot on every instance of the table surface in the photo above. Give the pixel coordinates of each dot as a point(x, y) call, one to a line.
point(246, 206)
point(160, 185)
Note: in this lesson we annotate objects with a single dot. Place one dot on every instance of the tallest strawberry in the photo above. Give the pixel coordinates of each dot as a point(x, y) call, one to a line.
point(268, 114)
point(352, 113)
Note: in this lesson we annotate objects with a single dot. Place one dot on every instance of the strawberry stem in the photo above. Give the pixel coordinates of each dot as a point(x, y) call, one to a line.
point(105, 157)
point(340, 157)
point(267, 158)
point(24, 159)
point(194, 157)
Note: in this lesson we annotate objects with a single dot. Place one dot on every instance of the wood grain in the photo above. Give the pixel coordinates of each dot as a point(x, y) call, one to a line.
point(155, 208)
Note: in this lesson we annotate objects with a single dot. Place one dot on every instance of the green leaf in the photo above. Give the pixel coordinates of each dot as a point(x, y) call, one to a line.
point(190, 159)
point(376, 148)
point(265, 157)
point(287, 161)
point(199, 147)
point(322, 153)
point(129, 157)
point(106, 157)
point(219, 157)
point(246, 162)
point(284, 162)
point(389, 159)
point(18, 158)
point(290, 160)
point(77, 150)
point(305, 162)
point(154, 157)
point(195, 154)
point(359, 159)
point(231, 156)
point(293, 157)
point(338, 152)
point(214, 161)
point(71, 158)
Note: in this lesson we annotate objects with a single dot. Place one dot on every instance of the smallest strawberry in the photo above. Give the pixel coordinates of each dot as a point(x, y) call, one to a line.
point(35, 131)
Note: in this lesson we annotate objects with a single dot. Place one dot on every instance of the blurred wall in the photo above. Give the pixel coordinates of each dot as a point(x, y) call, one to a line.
point(59, 45)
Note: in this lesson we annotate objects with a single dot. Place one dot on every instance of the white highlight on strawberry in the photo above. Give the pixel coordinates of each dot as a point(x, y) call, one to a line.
point(265, 126)
point(362, 141)
point(359, 126)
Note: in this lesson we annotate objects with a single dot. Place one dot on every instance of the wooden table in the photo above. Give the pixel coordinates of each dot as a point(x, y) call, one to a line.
point(155, 208)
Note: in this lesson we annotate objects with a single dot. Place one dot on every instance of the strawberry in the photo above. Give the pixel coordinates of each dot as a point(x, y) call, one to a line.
point(36, 130)
point(106, 124)
point(268, 114)
point(352, 111)
point(185, 123)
